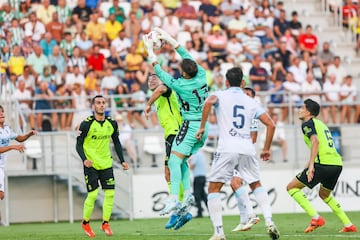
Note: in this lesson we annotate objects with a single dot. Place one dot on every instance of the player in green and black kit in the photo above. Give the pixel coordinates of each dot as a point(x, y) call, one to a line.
point(324, 167)
point(168, 113)
point(93, 147)
point(192, 90)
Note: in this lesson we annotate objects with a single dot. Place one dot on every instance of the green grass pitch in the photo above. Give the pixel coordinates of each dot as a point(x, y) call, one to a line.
point(291, 227)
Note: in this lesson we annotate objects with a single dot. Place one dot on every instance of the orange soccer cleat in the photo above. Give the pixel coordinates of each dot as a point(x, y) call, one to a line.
point(106, 228)
point(351, 228)
point(314, 224)
point(87, 229)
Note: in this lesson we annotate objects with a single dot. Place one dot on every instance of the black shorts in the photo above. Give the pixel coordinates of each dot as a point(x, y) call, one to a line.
point(93, 176)
point(327, 175)
point(168, 143)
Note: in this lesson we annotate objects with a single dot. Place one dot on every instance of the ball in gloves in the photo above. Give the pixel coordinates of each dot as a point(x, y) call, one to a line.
point(154, 36)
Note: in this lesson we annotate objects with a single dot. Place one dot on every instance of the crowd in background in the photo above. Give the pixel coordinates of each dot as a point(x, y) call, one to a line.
point(60, 52)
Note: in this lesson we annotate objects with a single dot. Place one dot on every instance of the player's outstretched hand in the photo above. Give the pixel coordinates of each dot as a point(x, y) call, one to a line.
point(200, 133)
point(167, 37)
point(149, 48)
point(125, 165)
point(147, 111)
point(20, 148)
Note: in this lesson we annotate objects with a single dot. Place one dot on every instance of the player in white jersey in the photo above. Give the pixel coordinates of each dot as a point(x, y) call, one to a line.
point(235, 112)
point(7, 134)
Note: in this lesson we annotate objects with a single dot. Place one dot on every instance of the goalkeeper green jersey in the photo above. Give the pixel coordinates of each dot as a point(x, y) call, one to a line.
point(168, 112)
point(327, 154)
point(191, 93)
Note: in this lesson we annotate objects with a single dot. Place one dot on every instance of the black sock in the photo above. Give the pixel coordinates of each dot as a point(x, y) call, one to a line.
point(85, 222)
point(105, 222)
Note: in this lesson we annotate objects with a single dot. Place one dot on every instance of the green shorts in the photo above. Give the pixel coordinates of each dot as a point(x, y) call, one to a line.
point(185, 141)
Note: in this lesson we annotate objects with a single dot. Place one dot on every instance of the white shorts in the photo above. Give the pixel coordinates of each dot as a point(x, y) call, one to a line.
point(2, 180)
point(227, 165)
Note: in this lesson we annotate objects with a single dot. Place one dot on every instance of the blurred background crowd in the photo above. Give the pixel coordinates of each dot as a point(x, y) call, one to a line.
point(56, 54)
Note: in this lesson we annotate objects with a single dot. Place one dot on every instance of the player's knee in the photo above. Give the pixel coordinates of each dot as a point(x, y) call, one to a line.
point(2, 195)
point(323, 194)
point(109, 193)
point(235, 183)
point(93, 195)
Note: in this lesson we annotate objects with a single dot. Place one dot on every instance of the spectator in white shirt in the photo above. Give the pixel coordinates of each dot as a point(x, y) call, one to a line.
point(311, 88)
point(337, 69)
point(331, 98)
point(348, 92)
point(297, 70)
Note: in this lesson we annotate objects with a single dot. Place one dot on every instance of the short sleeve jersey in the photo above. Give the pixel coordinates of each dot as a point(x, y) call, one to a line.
point(6, 134)
point(235, 112)
point(168, 112)
point(191, 93)
point(327, 154)
point(97, 136)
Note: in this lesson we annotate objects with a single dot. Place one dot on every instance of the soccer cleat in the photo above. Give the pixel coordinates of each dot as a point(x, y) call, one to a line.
point(189, 200)
point(351, 228)
point(183, 219)
point(171, 205)
point(314, 224)
point(273, 231)
point(248, 225)
point(106, 228)
point(87, 229)
point(172, 221)
point(217, 237)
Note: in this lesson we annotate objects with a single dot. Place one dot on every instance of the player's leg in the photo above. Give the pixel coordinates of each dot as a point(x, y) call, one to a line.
point(2, 183)
point(294, 190)
point(326, 188)
point(108, 184)
point(91, 180)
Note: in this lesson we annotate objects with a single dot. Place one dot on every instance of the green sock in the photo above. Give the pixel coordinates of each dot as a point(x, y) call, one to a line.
point(336, 208)
point(175, 173)
point(108, 204)
point(89, 204)
point(302, 200)
point(169, 187)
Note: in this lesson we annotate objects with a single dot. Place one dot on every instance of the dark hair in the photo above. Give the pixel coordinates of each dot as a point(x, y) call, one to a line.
point(94, 98)
point(234, 76)
point(253, 93)
point(312, 106)
point(189, 67)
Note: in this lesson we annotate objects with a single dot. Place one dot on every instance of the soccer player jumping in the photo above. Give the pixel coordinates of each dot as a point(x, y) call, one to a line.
point(324, 167)
point(192, 90)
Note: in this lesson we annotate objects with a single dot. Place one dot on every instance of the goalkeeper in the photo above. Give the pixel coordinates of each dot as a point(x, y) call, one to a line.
point(192, 90)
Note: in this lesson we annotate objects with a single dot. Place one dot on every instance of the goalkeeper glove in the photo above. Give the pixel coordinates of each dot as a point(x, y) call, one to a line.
point(150, 49)
point(167, 37)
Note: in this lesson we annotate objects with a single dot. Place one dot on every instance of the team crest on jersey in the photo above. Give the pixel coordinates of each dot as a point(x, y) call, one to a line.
point(307, 130)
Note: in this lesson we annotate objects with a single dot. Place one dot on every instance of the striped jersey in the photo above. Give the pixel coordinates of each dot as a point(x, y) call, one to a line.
point(6, 135)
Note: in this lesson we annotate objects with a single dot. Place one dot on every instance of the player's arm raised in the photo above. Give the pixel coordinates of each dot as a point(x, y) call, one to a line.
point(210, 101)
point(160, 90)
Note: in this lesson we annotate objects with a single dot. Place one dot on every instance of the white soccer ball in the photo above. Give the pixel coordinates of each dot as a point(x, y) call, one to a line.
point(155, 38)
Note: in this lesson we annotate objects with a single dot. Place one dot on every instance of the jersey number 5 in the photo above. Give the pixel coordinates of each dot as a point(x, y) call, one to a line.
point(239, 117)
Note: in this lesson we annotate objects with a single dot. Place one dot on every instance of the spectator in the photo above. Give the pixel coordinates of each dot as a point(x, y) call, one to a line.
point(81, 13)
point(47, 44)
point(81, 105)
point(45, 12)
point(298, 71)
point(24, 98)
point(115, 63)
point(91, 83)
point(58, 60)
point(349, 10)
point(74, 76)
point(211, 11)
point(348, 93)
point(77, 60)
point(121, 100)
point(27, 44)
point(137, 100)
point(281, 24)
point(295, 25)
point(311, 88)
point(252, 45)
point(234, 51)
point(198, 166)
point(237, 26)
point(142, 75)
point(109, 82)
point(17, 32)
point(55, 28)
point(63, 103)
point(22, 11)
point(331, 98)
point(276, 98)
point(95, 30)
point(7, 15)
point(132, 27)
point(67, 46)
point(35, 28)
point(43, 102)
point(133, 60)
point(174, 65)
point(29, 79)
point(16, 62)
point(118, 11)
point(270, 44)
point(308, 44)
point(227, 9)
point(122, 44)
point(97, 61)
point(171, 23)
point(37, 61)
point(258, 75)
point(188, 15)
point(338, 69)
point(84, 44)
point(292, 89)
point(150, 21)
point(127, 139)
point(63, 11)
point(326, 55)
point(112, 28)
point(258, 22)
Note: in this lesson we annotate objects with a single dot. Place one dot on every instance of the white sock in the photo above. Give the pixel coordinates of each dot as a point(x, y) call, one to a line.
point(244, 204)
point(263, 200)
point(215, 211)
